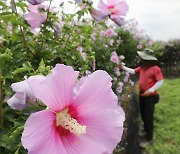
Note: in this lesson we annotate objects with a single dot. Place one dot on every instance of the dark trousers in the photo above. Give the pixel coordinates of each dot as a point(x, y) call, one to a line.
point(147, 105)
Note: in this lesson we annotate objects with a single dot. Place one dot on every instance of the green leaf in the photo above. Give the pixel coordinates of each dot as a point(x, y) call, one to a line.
point(26, 68)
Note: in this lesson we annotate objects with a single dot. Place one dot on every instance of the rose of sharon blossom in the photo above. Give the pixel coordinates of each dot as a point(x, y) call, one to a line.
point(114, 57)
point(115, 9)
point(110, 32)
point(79, 48)
point(126, 78)
point(102, 33)
point(139, 46)
point(23, 93)
point(137, 36)
point(117, 72)
point(119, 89)
point(86, 122)
point(35, 18)
point(121, 57)
point(111, 42)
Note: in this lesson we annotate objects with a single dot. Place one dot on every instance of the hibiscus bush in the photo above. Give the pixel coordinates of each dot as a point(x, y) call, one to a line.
point(35, 36)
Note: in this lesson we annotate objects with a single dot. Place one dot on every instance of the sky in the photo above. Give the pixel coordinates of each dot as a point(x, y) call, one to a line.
point(160, 19)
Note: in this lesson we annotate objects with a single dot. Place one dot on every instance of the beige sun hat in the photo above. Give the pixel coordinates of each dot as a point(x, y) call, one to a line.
point(147, 54)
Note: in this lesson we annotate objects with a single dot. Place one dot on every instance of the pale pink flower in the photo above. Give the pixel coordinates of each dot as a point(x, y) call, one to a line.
point(121, 57)
point(114, 53)
point(127, 74)
point(115, 58)
point(102, 33)
point(97, 15)
point(110, 32)
point(119, 90)
point(86, 122)
point(83, 55)
point(117, 72)
point(79, 48)
point(139, 46)
point(35, 18)
point(115, 9)
point(111, 42)
point(137, 36)
point(126, 79)
point(23, 93)
point(9, 27)
point(131, 82)
point(121, 84)
point(150, 42)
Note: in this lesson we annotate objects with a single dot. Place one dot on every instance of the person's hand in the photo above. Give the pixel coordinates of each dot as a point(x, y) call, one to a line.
point(146, 93)
point(120, 66)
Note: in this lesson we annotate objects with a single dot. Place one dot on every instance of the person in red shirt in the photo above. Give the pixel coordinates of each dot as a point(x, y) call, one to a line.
point(150, 79)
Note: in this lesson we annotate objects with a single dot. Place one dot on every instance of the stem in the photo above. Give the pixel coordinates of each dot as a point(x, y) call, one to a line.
point(41, 46)
point(21, 29)
point(1, 101)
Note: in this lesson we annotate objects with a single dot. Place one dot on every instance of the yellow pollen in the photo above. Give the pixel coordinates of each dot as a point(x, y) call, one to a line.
point(64, 119)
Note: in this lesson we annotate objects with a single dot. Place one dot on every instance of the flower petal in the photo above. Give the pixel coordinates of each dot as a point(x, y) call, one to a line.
point(96, 105)
point(112, 2)
point(95, 93)
point(79, 84)
point(40, 135)
point(82, 145)
point(23, 87)
point(121, 9)
point(104, 126)
point(103, 7)
point(118, 21)
point(57, 89)
point(97, 15)
point(18, 101)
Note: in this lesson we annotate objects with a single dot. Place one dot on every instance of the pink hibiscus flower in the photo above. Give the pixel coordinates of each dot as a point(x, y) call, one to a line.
point(23, 93)
point(139, 46)
point(115, 9)
point(82, 121)
point(35, 18)
point(114, 57)
point(110, 32)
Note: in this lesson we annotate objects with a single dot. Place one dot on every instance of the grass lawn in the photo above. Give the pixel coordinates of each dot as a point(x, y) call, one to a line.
point(167, 120)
